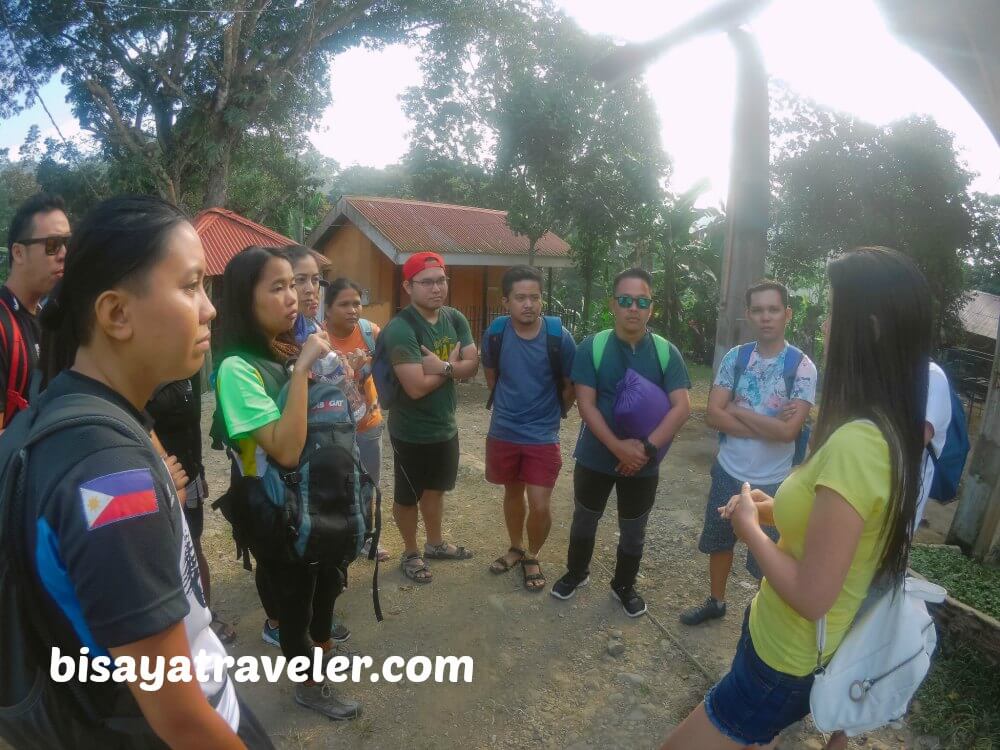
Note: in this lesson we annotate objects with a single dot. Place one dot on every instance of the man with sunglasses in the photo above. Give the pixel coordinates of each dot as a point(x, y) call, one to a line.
point(36, 253)
point(603, 459)
point(430, 346)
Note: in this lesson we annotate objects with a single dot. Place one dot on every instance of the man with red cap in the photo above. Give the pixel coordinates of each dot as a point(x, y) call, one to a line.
point(430, 346)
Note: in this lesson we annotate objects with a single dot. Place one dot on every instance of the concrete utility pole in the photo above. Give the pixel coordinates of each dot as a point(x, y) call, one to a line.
point(976, 525)
point(748, 207)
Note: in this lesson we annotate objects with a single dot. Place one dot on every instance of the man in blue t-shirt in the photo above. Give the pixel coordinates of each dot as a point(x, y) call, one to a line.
point(603, 459)
point(530, 392)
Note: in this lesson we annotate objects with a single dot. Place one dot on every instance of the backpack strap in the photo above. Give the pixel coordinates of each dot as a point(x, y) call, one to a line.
point(743, 355)
point(601, 339)
point(367, 333)
point(19, 370)
point(492, 343)
point(793, 358)
point(553, 342)
point(662, 352)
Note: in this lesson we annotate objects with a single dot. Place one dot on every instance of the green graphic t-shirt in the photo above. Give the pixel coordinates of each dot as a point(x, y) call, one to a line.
point(430, 419)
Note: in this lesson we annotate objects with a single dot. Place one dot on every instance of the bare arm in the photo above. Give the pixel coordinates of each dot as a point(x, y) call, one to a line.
point(491, 377)
point(719, 419)
point(774, 428)
point(178, 712)
point(811, 585)
point(466, 364)
point(284, 438)
point(568, 394)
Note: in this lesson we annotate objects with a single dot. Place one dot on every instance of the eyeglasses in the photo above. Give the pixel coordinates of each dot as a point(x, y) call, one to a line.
point(431, 283)
point(626, 300)
point(53, 244)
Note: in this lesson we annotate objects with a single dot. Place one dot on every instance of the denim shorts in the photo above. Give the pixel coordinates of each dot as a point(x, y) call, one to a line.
point(717, 534)
point(753, 703)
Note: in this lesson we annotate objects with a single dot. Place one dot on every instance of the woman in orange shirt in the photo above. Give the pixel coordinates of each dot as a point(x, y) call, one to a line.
point(353, 337)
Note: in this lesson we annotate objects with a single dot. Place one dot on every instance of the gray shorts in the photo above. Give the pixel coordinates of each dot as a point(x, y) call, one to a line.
point(717, 534)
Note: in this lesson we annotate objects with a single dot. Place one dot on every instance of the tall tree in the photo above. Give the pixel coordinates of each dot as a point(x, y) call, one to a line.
point(840, 183)
point(174, 90)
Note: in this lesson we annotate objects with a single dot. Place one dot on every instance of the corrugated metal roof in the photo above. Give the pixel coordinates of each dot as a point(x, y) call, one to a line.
point(980, 314)
point(225, 233)
point(415, 226)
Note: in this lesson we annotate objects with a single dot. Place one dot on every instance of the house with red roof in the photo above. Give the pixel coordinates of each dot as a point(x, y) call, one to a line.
point(369, 239)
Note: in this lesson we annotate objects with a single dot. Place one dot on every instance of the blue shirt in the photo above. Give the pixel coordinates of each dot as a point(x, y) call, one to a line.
point(526, 403)
point(618, 357)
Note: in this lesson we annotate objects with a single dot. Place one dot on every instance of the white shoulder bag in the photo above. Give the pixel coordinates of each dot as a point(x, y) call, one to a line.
point(881, 662)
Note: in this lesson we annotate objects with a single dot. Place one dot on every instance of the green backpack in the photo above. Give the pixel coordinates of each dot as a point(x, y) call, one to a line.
point(602, 338)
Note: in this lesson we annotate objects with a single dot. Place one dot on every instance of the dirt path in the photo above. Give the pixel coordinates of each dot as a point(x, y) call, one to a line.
point(543, 676)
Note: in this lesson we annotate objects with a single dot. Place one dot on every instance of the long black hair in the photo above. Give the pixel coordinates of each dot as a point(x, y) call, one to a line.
point(238, 329)
point(117, 243)
point(877, 359)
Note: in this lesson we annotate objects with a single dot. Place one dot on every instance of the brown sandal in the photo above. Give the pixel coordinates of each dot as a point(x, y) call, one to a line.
point(500, 565)
point(531, 578)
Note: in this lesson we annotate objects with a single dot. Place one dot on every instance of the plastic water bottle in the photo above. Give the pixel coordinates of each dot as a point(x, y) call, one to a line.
point(331, 369)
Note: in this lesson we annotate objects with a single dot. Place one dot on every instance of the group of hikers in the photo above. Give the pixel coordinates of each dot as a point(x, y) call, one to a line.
point(107, 525)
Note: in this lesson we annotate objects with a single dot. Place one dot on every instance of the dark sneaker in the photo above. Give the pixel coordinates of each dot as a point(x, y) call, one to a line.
point(712, 609)
point(633, 604)
point(566, 586)
point(323, 699)
point(271, 635)
point(339, 631)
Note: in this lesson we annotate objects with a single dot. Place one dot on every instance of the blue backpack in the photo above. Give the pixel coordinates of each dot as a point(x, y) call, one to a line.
point(386, 384)
point(493, 343)
point(949, 465)
point(793, 358)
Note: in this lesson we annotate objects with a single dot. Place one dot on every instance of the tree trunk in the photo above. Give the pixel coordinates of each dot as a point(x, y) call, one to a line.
point(749, 195)
point(217, 188)
point(976, 525)
point(532, 242)
point(587, 272)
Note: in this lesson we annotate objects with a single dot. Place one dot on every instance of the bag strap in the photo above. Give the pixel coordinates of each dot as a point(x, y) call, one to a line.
point(493, 342)
point(553, 341)
point(743, 355)
point(601, 340)
point(18, 370)
point(793, 358)
point(368, 334)
point(662, 352)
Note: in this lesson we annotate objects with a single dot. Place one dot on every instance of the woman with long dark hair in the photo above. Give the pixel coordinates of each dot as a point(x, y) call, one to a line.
point(114, 565)
point(259, 307)
point(846, 515)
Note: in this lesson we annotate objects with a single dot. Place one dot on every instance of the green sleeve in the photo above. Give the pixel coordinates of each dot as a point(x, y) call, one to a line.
point(245, 405)
point(401, 343)
point(676, 375)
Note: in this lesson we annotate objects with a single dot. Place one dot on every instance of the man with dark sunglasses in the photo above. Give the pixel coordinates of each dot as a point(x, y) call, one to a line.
point(606, 460)
point(36, 253)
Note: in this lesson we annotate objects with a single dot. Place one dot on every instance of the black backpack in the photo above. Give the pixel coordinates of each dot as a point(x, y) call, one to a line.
point(36, 712)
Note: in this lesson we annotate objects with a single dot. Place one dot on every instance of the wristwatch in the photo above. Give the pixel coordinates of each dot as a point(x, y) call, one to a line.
point(449, 370)
point(651, 450)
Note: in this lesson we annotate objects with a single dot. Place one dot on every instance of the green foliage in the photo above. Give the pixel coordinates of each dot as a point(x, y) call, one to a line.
point(840, 183)
point(965, 579)
point(958, 701)
point(175, 94)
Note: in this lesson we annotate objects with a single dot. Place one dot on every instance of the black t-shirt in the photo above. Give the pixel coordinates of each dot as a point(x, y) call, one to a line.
point(31, 332)
point(113, 558)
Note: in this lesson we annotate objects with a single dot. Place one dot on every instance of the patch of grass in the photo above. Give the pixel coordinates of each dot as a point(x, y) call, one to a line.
point(701, 375)
point(958, 701)
point(966, 579)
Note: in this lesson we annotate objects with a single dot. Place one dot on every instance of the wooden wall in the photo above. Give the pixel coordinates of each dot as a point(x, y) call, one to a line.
point(353, 255)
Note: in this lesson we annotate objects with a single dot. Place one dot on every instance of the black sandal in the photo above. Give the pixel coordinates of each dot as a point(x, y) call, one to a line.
point(532, 577)
point(500, 565)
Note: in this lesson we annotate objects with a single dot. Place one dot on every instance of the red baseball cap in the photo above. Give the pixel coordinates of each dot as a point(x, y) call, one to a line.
point(419, 262)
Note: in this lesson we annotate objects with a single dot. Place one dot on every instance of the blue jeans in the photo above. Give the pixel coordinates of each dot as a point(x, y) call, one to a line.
point(753, 703)
point(370, 450)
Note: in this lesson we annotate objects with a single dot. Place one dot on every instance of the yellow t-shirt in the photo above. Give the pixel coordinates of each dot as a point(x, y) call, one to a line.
point(854, 462)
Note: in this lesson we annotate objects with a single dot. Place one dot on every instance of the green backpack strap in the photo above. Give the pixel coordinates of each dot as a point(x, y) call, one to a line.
point(601, 339)
point(601, 343)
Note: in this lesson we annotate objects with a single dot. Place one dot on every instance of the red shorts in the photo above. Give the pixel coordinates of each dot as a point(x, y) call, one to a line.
point(507, 463)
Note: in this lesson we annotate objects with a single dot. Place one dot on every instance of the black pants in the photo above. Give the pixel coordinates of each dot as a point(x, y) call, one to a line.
point(304, 595)
point(591, 490)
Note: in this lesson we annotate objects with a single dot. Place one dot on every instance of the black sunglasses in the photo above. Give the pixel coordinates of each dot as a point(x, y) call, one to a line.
point(626, 300)
point(53, 244)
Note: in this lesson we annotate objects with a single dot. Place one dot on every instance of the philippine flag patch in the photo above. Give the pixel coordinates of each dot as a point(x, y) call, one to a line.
point(117, 497)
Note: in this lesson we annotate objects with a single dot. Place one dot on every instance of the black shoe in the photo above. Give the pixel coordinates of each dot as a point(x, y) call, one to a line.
point(712, 609)
point(566, 586)
point(633, 604)
point(323, 699)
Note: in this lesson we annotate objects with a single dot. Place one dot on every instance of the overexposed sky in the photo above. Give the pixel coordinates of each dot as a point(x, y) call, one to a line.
point(840, 54)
